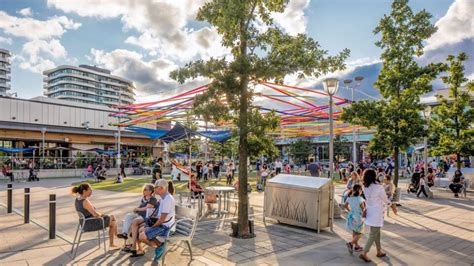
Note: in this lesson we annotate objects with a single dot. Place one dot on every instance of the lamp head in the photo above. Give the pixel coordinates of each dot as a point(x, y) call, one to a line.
point(427, 111)
point(331, 85)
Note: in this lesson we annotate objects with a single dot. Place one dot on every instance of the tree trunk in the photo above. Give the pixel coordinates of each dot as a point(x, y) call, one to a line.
point(243, 216)
point(458, 161)
point(396, 169)
point(243, 228)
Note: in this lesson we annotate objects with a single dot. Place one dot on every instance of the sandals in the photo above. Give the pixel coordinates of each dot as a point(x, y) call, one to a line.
point(123, 236)
point(358, 249)
point(350, 248)
point(364, 258)
point(127, 249)
point(381, 254)
point(135, 254)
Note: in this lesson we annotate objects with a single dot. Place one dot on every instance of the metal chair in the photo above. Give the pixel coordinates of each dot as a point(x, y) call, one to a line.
point(80, 227)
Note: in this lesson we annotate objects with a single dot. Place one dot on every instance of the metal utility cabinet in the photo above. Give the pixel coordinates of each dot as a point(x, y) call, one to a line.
point(300, 200)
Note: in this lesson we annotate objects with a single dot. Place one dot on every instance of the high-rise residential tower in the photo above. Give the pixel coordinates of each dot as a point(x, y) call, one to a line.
point(88, 84)
point(4, 71)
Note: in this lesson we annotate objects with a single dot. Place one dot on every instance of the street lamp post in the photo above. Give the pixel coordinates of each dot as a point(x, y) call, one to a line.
point(426, 113)
point(331, 86)
point(43, 132)
point(119, 154)
point(358, 80)
point(347, 83)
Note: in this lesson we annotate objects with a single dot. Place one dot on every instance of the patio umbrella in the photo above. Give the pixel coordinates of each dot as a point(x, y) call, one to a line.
point(15, 150)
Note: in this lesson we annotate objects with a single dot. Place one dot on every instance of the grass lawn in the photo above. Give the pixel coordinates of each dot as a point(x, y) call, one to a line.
point(135, 185)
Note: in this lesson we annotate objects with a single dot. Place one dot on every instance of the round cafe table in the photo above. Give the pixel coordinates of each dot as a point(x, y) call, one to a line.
point(223, 192)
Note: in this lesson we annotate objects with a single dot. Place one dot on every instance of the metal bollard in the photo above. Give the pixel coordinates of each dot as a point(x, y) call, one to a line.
point(9, 198)
point(52, 216)
point(26, 209)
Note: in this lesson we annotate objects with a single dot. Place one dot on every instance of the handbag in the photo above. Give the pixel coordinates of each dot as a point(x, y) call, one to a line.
point(150, 221)
point(364, 213)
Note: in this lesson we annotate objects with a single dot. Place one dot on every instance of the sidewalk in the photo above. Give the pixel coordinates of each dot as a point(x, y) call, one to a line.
point(438, 232)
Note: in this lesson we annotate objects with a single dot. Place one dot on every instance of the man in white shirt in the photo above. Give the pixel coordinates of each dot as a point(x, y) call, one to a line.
point(156, 234)
point(278, 166)
point(434, 165)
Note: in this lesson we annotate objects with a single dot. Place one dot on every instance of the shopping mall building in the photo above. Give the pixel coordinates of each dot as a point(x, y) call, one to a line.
point(79, 127)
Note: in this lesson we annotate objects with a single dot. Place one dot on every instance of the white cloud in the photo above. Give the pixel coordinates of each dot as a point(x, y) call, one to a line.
point(162, 25)
point(43, 45)
point(33, 29)
point(26, 12)
point(455, 26)
point(151, 77)
point(5, 40)
point(293, 20)
point(35, 55)
point(52, 48)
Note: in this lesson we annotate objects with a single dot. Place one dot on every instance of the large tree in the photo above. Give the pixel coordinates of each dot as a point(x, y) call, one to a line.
point(401, 82)
point(301, 149)
point(259, 51)
point(453, 120)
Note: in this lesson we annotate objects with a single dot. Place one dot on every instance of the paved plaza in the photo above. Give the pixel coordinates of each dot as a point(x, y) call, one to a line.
point(438, 231)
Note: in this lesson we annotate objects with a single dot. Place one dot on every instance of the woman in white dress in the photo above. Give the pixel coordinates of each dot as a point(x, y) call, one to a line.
point(376, 202)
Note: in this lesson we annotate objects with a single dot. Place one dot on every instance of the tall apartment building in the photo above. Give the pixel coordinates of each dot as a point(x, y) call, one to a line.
point(4, 71)
point(88, 84)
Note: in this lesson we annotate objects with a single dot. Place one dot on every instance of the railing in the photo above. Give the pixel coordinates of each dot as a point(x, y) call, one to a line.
point(75, 162)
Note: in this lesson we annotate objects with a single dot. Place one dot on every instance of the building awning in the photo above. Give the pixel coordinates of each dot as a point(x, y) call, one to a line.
point(16, 150)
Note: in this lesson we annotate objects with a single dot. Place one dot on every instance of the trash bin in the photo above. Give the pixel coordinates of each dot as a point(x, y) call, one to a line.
point(300, 200)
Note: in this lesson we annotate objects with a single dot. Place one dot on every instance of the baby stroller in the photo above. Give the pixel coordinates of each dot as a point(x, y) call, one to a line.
point(414, 183)
point(33, 175)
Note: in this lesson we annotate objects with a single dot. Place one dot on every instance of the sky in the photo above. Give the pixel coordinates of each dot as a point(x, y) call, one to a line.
point(144, 40)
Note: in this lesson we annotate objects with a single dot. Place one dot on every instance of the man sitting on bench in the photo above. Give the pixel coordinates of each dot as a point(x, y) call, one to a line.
point(157, 229)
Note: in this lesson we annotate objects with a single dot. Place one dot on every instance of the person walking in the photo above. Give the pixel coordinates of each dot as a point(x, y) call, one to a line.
point(422, 186)
point(228, 173)
point(376, 200)
point(313, 168)
point(122, 170)
point(278, 166)
point(355, 205)
point(205, 171)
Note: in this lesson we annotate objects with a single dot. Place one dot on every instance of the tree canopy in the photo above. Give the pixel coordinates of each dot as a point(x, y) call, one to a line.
point(301, 149)
point(401, 82)
point(452, 121)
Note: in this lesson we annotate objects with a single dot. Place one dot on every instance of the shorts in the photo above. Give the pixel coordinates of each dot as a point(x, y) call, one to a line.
point(157, 231)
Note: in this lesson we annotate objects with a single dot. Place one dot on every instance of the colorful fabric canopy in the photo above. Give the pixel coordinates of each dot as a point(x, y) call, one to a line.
point(176, 133)
point(154, 134)
point(217, 136)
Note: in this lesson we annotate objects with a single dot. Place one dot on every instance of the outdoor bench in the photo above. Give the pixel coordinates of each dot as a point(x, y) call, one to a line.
point(184, 228)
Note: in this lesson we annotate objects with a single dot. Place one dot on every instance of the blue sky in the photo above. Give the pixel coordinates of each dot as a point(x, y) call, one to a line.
point(145, 40)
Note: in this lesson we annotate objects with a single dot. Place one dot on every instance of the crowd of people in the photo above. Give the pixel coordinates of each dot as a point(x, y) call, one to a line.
point(370, 191)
